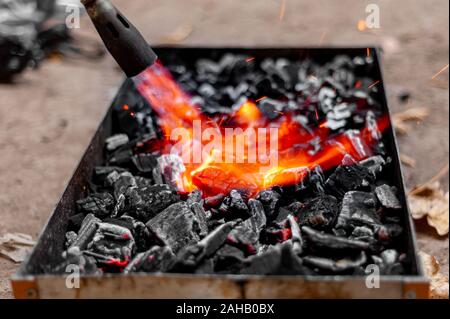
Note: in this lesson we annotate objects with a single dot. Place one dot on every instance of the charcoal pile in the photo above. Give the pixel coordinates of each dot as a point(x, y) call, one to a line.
point(333, 221)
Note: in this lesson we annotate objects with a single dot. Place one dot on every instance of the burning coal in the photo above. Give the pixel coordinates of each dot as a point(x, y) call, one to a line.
point(243, 165)
point(238, 142)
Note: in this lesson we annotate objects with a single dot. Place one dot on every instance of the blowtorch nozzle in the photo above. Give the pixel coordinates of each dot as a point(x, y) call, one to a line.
point(125, 43)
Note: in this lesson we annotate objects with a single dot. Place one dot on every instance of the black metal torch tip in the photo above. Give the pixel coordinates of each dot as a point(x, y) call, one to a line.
point(125, 43)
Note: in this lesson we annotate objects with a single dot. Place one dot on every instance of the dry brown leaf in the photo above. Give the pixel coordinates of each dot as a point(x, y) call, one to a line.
point(431, 202)
point(407, 160)
point(180, 34)
point(400, 120)
point(16, 246)
point(438, 281)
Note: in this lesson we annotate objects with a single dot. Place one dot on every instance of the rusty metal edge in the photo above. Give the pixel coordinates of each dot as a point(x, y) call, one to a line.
point(140, 285)
point(396, 156)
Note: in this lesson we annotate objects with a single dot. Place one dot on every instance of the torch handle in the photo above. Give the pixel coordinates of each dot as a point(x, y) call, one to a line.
point(125, 43)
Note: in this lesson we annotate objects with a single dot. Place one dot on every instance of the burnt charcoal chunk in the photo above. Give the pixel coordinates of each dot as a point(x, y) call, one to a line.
point(191, 256)
point(336, 266)
point(320, 212)
point(234, 206)
point(347, 178)
point(362, 233)
point(389, 232)
point(269, 200)
point(99, 204)
point(71, 237)
point(217, 238)
point(200, 213)
point(205, 267)
point(389, 256)
point(228, 255)
point(176, 226)
point(280, 259)
point(157, 175)
point(101, 172)
point(146, 202)
point(115, 141)
point(138, 229)
point(374, 164)
point(282, 217)
point(122, 183)
point(317, 180)
point(113, 241)
point(386, 196)
point(75, 221)
point(358, 208)
point(156, 259)
point(296, 236)
point(295, 208)
point(291, 264)
point(143, 182)
point(214, 223)
point(214, 201)
point(144, 163)
point(245, 237)
point(121, 157)
point(172, 168)
point(258, 217)
point(111, 178)
point(331, 242)
point(276, 234)
point(263, 264)
point(87, 231)
point(270, 108)
point(194, 197)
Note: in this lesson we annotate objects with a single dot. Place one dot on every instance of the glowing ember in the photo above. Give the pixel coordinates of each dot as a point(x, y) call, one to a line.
point(241, 160)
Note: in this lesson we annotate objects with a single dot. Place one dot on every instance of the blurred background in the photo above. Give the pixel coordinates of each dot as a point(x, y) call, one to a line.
point(56, 83)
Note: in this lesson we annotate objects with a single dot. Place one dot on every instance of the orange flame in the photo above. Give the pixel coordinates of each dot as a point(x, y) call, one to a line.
point(214, 174)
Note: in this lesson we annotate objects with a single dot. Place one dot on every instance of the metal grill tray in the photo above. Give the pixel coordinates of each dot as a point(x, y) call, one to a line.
point(30, 282)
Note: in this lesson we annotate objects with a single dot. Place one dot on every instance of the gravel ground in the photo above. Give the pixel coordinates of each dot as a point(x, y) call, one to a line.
point(48, 117)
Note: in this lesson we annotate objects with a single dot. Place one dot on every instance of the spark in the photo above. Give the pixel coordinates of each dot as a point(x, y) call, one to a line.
point(261, 98)
point(361, 25)
point(317, 113)
point(373, 84)
point(440, 71)
point(250, 59)
point(126, 107)
point(222, 119)
point(282, 10)
point(368, 52)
